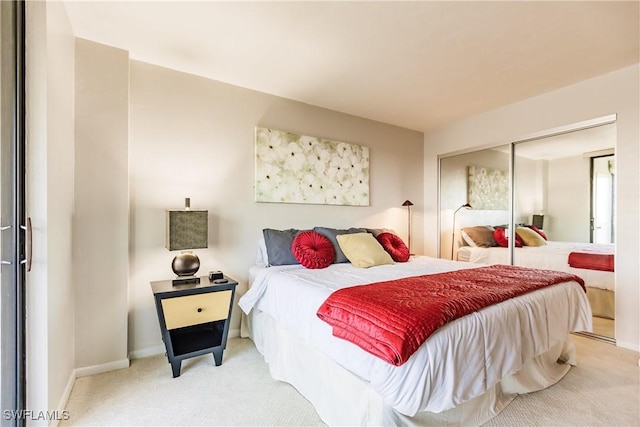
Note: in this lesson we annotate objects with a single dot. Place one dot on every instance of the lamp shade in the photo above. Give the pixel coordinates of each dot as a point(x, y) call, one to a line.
point(186, 229)
point(538, 221)
point(407, 203)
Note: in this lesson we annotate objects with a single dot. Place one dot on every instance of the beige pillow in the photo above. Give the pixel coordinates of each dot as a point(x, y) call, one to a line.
point(530, 237)
point(363, 250)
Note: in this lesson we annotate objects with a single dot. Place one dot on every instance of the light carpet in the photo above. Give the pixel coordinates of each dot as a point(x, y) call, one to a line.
point(604, 390)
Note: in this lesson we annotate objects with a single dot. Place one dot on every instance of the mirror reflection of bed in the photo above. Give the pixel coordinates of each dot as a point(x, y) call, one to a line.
point(564, 181)
point(551, 255)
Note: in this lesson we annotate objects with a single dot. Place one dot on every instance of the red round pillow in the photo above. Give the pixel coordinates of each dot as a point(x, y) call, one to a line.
point(313, 250)
point(394, 246)
point(537, 230)
point(502, 240)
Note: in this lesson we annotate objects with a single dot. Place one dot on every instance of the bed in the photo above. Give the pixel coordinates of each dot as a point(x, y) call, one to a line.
point(554, 256)
point(463, 374)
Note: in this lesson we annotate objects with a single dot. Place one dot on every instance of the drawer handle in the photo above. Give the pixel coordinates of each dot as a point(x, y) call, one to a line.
point(199, 310)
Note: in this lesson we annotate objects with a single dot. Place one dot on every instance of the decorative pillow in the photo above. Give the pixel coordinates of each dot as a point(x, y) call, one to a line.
point(278, 243)
point(537, 230)
point(480, 236)
point(466, 240)
point(363, 250)
point(378, 231)
point(313, 250)
point(502, 240)
point(529, 237)
point(332, 233)
point(394, 246)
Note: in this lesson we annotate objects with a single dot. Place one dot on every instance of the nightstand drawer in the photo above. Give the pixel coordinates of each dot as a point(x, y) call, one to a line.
point(196, 309)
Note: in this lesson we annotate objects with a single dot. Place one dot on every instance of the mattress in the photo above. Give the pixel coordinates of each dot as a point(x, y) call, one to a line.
point(439, 376)
point(552, 256)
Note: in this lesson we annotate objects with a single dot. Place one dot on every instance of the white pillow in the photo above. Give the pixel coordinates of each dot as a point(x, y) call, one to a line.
point(261, 254)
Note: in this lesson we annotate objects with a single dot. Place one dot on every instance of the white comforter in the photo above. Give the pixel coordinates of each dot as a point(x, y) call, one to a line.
point(552, 256)
point(457, 363)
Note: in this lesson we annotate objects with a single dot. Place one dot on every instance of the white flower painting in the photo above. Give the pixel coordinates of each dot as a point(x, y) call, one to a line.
point(294, 168)
point(488, 188)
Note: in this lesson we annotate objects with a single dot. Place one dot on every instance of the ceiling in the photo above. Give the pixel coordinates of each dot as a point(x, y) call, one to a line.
point(418, 65)
point(577, 143)
point(571, 144)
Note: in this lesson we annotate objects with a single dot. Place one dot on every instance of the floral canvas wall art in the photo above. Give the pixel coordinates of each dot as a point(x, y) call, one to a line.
point(488, 188)
point(293, 168)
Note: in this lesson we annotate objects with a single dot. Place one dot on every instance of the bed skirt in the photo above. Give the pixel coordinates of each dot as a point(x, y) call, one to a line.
point(341, 398)
point(603, 302)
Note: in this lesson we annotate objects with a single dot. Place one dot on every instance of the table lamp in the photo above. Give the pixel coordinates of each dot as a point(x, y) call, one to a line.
point(186, 230)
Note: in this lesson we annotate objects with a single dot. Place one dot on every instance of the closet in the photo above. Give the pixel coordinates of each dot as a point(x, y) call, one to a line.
point(561, 186)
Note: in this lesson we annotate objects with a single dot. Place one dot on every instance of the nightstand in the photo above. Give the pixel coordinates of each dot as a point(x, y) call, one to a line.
point(194, 318)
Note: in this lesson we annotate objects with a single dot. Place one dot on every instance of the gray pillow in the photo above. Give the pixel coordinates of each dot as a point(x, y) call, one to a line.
point(378, 231)
point(331, 233)
point(278, 243)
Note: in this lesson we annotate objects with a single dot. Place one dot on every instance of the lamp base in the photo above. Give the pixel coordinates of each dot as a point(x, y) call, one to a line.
point(186, 281)
point(185, 264)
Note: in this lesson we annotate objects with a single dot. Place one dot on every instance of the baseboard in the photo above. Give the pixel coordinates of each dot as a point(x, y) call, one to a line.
point(78, 373)
point(60, 412)
point(146, 352)
point(628, 345)
point(111, 366)
point(99, 369)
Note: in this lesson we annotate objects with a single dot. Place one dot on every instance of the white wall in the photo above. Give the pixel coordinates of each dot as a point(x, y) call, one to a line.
point(529, 188)
point(613, 93)
point(567, 217)
point(101, 222)
point(194, 137)
point(50, 202)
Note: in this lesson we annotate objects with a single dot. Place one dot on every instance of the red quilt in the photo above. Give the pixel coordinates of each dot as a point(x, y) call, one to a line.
point(392, 319)
point(598, 258)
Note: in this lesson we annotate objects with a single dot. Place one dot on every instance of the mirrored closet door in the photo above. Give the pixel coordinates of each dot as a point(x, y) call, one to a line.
point(565, 184)
point(474, 193)
point(563, 195)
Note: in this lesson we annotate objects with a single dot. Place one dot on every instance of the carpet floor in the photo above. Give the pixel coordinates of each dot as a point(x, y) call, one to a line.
point(603, 390)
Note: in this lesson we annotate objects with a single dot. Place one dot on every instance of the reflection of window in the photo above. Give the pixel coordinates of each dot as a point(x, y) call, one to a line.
point(603, 200)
